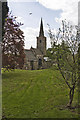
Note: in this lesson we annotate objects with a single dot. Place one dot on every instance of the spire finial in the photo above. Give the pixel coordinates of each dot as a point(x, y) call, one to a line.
point(41, 33)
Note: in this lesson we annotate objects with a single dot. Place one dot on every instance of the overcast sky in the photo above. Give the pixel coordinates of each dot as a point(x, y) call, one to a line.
point(51, 11)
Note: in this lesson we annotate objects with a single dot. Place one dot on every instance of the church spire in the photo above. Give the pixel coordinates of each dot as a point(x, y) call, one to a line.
point(41, 33)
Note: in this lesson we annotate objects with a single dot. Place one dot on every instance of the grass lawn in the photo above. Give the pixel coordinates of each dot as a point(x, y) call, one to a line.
point(36, 94)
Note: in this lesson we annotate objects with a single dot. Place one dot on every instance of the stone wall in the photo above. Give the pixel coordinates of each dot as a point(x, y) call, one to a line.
point(35, 65)
point(31, 65)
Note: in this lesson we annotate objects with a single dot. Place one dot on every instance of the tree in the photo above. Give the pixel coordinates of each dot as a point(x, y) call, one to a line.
point(78, 37)
point(13, 44)
point(66, 46)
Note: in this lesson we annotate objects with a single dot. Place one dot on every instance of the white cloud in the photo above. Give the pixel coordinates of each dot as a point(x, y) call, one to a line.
point(21, 0)
point(20, 19)
point(69, 8)
point(48, 43)
point(30, 37)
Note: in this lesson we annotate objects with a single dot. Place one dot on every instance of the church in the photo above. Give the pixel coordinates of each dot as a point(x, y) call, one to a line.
point(34, 59)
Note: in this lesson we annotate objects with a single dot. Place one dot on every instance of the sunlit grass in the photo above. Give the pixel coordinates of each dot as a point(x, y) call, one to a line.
point(36, 94)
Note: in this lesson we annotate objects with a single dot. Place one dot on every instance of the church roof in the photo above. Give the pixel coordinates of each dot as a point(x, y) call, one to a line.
point(32, 53)
point(41, 33)
point(36, 51)
point(29, 55)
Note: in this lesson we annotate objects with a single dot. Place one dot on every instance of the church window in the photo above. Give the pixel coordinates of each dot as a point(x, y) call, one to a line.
point(39, 62)
point(31, 64)
point(40, 41)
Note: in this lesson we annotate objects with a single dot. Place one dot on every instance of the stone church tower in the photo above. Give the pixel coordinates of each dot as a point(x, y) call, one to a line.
point(41, 40)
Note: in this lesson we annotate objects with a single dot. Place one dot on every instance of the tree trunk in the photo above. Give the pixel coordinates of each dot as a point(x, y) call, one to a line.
point(71, 94)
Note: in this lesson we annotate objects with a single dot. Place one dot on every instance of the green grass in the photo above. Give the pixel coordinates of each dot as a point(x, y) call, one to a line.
point(36, 94)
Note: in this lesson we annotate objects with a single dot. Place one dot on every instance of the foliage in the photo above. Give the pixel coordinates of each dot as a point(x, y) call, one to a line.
point(13, 44)
point(42, 94)
point(66, 45)
point(51, 53)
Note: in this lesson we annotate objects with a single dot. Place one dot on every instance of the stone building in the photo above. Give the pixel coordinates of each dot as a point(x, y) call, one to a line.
point(35, 56)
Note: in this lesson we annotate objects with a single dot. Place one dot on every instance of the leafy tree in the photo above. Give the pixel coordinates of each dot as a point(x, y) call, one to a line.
point(13, 44)
point(51, 53)
point(79, 76)
point(65, 44)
